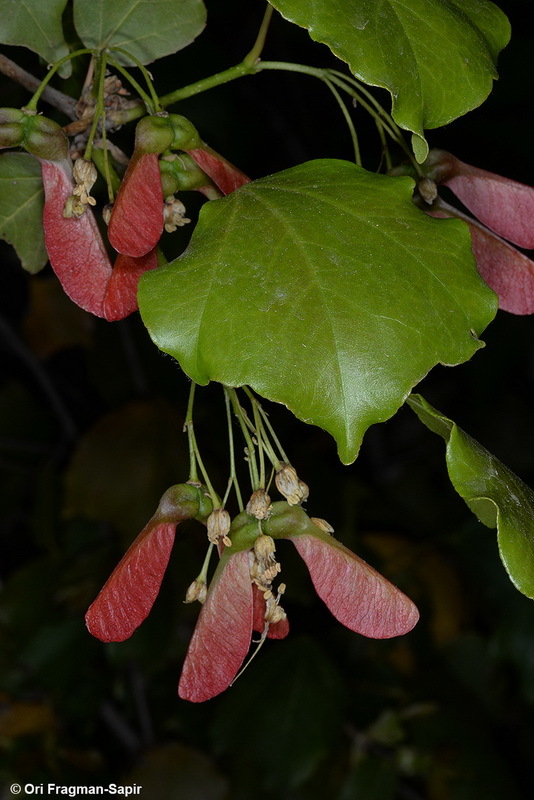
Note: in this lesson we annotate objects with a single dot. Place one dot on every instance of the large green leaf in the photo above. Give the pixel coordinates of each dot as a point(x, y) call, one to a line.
point(21, 208)
point(497, 496)
point(35, 24)
point(148, 29)
point(324, 288)
point(436, 57)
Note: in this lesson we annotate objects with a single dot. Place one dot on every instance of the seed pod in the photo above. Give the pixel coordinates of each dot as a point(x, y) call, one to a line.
point(11, 127)
point(44, 138)
point(154, 134)
point(185, 134)
point(180, 173)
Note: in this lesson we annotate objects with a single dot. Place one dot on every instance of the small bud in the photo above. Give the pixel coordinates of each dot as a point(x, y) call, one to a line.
point(197, 591)
point(428, 190)
point(301, 495)
point(218, 525)
point(84, 173)
point(286, 480)
point(290, 486)
point(322, 524)
point(259, 505)
point(106, 212)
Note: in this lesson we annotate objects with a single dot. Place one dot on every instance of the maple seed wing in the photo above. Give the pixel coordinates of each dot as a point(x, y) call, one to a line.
point(222, 635)
point(358, 596)
point(129, 593)
point(506, 270)
point(503, 205)
point(136, 221)
point(75, 247)
point(121, 292)
point(223, 174)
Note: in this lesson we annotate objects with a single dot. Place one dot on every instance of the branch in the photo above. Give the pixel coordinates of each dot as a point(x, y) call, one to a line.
point(52, 96)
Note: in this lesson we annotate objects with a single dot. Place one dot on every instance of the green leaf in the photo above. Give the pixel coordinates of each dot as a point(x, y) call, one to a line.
point(37, 25)
point(324, 288)
point(437, 58)
point(148, 29)
point(21, 208)
point(497, 496)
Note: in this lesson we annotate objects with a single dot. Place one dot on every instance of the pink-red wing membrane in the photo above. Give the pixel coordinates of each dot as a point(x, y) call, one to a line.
point(358, 596)
point(222, 635)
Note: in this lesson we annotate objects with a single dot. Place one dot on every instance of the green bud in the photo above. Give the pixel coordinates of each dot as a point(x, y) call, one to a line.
point(185, 134)
point(154, 134)
point(11, 127)
point(180, 174)
point(44, 138)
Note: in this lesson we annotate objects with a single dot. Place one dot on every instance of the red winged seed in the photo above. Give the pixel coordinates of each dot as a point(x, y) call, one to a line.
point(121, 292)
point(136, 221)
point(507, 271)
point(358, 596)
point(504, 205)
point(78, 255)
point(129, 593)
point(222, 173)
point(222, 635)
point(75, 247)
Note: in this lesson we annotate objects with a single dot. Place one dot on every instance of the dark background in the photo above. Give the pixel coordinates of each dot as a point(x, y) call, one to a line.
point(90, 437)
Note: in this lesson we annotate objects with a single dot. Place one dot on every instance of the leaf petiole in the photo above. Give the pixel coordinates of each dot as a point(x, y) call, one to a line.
point(152, 103)
point(32, 105)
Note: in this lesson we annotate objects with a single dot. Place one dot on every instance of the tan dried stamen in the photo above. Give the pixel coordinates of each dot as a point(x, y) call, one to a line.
point(84, 174)
point(196, 591)
point(174, 214)
point(322, 524)
point(218, 525)
point(290, 486)
point(259, 505)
